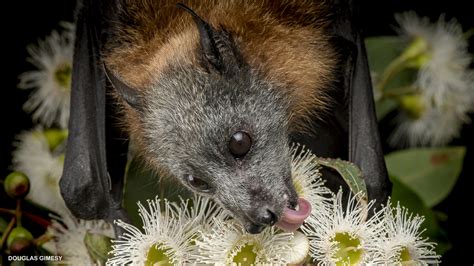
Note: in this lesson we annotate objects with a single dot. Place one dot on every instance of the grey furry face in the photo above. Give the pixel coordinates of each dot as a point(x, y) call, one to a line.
point(189, 118)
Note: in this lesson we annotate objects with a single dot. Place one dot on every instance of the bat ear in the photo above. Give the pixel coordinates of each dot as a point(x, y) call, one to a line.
point(89, 190)
point(129, 94)
point(217, 47)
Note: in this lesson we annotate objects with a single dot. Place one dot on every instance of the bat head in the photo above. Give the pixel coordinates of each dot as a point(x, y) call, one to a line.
point(220, 129)
point(224, 138)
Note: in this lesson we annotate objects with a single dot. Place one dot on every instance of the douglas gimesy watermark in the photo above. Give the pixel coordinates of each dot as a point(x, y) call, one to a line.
point(35, 258)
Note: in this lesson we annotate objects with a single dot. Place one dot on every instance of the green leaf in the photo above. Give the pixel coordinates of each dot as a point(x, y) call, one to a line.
point(98, 246)
point(142, 184)
point(350, 173)
point(409, 199)
point(430, 172)
point(382, 50)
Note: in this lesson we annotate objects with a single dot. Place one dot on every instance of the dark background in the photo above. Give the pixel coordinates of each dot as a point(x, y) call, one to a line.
point(23, 22)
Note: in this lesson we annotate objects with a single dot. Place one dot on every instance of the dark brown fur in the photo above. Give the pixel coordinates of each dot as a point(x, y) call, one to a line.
point(286, 41)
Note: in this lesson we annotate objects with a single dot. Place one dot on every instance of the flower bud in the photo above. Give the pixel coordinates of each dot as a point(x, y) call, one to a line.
point(412, 105)
point(17, 185)
point(18, 233)
point(21, 246)
point(417, 53)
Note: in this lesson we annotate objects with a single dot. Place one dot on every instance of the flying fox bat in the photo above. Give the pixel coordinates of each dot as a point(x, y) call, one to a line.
point(212, 93)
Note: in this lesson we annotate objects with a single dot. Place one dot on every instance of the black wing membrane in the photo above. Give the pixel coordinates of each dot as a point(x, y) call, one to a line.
point(89, 188)
point(364, 146)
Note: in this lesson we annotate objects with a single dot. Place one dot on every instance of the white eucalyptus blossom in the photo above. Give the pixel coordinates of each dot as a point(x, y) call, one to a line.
point(434, 126)
point(299, 248)
point(307, 178)
point(167, 238)
point(445, 64)
point(229, 244)
point(343, 236)
point(202, 212)
point(444, 84)
point(401, 242)
point(68, 235)
point(34, 157)
point(51, 80)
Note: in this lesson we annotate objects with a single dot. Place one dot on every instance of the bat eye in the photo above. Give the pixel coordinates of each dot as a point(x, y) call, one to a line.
point(198, 183)
point(240, 144)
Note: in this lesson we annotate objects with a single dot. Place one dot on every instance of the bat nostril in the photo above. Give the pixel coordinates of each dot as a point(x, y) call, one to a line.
point(255, 228)
point(268, 217)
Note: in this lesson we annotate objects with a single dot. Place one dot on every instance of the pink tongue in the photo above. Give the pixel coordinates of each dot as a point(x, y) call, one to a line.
point(291, 220)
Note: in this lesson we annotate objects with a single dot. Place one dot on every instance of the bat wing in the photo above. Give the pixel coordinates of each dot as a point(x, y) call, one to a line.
point(92, 179)
point(351, 133)
point(364, 146)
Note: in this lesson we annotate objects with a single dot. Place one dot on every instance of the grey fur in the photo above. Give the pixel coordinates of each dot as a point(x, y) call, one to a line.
point(188, 120)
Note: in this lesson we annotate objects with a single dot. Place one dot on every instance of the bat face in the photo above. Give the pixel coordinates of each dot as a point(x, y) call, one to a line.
point(223, 137)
